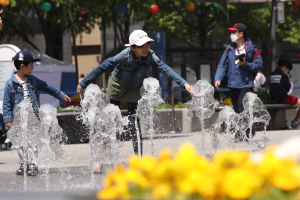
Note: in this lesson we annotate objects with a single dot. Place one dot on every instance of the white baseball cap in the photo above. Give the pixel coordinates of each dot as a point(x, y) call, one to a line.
point(138, 38)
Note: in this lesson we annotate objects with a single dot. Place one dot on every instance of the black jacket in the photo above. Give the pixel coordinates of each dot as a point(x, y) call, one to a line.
point(279, 85)
point(1, 33)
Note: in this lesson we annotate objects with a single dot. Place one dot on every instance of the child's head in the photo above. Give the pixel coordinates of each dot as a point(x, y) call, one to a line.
point(24, 60)
point(139, 42)
point(285, 66)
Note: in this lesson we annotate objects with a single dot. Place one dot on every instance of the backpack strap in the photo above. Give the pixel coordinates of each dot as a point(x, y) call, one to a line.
point(253, 57)
point(226, 55)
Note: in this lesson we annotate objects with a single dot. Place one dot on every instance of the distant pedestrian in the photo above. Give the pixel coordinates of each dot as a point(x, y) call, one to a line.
point(81, 78)
point(281, 88)
point(239, 62)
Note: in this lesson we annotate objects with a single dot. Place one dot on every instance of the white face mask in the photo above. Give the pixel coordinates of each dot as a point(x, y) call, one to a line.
point(233, 37)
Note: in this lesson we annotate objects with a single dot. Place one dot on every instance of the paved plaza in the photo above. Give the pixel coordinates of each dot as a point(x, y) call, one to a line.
point(71, 179)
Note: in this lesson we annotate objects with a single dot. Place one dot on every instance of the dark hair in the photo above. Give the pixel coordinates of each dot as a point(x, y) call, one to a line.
point(82, 75)
point(244, 34)
point(287, 64)
point(18, 63)
point(139, 46)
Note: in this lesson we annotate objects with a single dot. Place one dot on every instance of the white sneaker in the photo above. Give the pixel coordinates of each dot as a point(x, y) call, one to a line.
point(295, 124)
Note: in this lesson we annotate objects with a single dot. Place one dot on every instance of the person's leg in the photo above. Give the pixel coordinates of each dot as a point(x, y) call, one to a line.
point(297, 117)
point(242, 94)
point(132, 130)
point(23, 157)
point(33, 160)
point(234, 93)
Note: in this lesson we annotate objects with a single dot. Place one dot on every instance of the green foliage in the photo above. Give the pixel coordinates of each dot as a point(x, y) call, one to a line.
point(290, 30)
point(19, 19)
point(263, 94)
point(178, 22)
point(169, 106)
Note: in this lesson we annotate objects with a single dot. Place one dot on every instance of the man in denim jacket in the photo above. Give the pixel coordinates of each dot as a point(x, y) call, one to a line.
point(130, 70)
point(240, 62)
point(22, 85)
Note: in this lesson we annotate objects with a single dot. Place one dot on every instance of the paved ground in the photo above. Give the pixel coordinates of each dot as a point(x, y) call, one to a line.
point(73, 174)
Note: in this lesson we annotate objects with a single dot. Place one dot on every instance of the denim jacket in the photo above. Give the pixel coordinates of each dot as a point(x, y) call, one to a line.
point(13, 94)
point(131, 72)
point(239, 76)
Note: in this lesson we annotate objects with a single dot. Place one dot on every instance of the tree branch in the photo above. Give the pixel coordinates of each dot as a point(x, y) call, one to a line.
point(24, 37)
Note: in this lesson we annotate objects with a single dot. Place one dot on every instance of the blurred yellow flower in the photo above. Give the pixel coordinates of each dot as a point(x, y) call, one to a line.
point(227, 101)
point(188, 175)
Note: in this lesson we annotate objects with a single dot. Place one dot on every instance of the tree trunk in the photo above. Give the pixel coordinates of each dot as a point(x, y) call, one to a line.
point(126, 27)
point(264, 55)
point(202, 38)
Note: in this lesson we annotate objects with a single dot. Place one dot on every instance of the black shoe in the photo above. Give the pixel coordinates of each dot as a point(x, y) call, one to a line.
point(20, 171)
point(238, 137)
point(32, 170)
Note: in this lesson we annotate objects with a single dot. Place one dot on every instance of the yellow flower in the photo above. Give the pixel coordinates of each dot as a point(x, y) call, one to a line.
point(240, 183)
point(231, 159)
point(162, 190)
point(165, 154)
point(146, 164)
point(227, 101)
point(136, 177)
point(108, 193)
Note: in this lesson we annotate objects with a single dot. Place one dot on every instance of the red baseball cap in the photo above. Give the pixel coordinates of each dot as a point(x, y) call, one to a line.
point(238, 26)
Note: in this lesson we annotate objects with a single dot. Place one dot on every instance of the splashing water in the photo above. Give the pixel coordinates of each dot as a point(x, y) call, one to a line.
point(202, 103)
point(228, 117)
point(23, 131)
point(254, 112)
point(150, 96)
point(112, 123)
point(93, 103)
point(257, 113)
point(50, 134)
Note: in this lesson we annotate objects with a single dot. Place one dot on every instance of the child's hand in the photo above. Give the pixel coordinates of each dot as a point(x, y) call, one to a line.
point(79, 89)
point(67, 99)
point(189, 88)
point(0, 23)
point(8, 124)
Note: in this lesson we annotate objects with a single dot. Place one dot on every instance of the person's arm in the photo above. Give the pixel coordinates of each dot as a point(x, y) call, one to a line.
point(285, 82)
point(108, 63)
point(221, 70)
point(291, 89)
point(7, 105)
point(167, 70)
point(53, 91)
point(254, 66)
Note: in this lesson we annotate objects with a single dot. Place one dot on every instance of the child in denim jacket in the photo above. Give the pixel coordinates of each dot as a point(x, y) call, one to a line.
point(130, 70)
point(22, 85)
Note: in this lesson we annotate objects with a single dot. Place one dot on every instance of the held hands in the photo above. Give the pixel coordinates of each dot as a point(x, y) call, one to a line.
point(8, 124)
point(67, 99)
point(241, 63)
point(217, 84)
point(79, 89)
